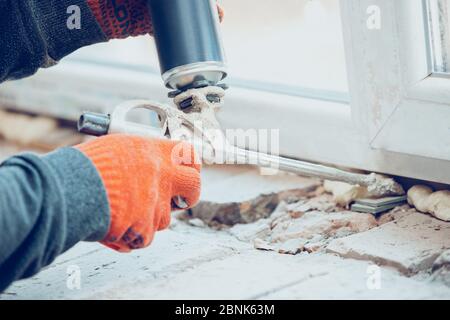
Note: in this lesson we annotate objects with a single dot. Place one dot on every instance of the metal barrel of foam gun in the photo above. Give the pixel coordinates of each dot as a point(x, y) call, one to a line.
point(188, 42)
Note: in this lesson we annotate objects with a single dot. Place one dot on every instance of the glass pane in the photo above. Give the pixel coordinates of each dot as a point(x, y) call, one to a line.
point(292, 42)
point(295, 43)
point(439, 32)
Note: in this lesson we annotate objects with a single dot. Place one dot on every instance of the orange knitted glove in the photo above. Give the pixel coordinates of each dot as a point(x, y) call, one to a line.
point(141, 177)
point(123, 18)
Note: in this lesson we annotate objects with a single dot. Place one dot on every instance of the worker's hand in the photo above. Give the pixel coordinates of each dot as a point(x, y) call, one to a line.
point(141, 177)
point(123, 18)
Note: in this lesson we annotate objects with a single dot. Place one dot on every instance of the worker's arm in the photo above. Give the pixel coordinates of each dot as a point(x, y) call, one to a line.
point(116, 189)
point(38, 33)
point(34, 34)
point(47, 204)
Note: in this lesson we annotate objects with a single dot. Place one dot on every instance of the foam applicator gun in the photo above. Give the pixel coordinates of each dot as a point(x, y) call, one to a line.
point(190, 51)
point(192, 64)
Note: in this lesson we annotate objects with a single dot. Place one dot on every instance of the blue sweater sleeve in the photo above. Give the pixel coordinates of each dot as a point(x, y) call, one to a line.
point(35, 34)
point(47, 204)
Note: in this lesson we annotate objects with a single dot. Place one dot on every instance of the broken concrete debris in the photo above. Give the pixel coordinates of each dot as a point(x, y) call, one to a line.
point(307, 224)
point(196, 223)
point(321, 223)
point(394, 214)
point(308, 219)
point(263, 245)
point(248, 232)
point(435, 203)
point(322, 202)
point(442, 261)
point(303, 226)
point(287, 221)
point(441, 269)
point(293, 246)
point(410, 243)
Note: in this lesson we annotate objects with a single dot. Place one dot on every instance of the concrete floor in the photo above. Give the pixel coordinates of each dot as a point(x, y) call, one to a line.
point(186, 262)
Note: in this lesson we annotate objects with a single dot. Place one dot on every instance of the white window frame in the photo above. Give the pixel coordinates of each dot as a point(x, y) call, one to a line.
point(405, 108)
point(399, 113)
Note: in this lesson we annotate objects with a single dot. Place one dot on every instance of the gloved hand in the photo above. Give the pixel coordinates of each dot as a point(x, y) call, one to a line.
point(123, 18)
point(141, 177)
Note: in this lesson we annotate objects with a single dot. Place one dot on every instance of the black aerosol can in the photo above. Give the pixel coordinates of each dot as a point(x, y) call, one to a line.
point(188, 42)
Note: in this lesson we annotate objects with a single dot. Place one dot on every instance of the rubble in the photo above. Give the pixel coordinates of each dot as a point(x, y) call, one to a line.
point(441, 269)
point(306, 225)
point(263, 245)
point(248, 232)
point(410, 243)
point(394, 214)
point(309, 221)
point(196, 223)
point(292, 246)
point(327, 225)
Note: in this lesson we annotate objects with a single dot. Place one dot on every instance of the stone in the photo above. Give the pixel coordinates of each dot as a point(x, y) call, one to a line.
point(410, 243)
point(262, 245)
point(323, 202)
point(196, 223)
point(248, 232)
point(297, 210)
point(394, 214)
point(325, 224)
point(441, 269)
point(292, 246)
point(280, 214)
point(311, 246)
point(442, 261)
